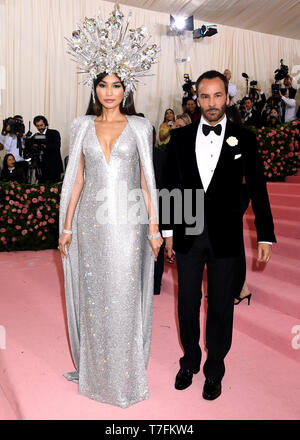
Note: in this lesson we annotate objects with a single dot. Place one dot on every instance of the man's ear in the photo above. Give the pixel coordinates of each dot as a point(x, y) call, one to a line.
point(227, 99)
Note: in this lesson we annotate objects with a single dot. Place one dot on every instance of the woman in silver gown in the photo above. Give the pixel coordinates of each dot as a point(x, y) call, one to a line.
point(108, 265)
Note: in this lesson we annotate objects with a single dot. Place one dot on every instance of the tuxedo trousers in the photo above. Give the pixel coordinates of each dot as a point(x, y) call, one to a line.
point(225, 278)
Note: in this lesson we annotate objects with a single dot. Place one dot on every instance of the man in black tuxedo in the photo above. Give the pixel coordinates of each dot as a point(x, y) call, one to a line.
point(250, 116)
point(51, 166)
point(213, 154)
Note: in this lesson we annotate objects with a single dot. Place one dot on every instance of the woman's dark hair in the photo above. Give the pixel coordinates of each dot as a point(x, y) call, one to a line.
point(40, 118)
point(165, 117)
point(211, 74)
point(96, 108)
point(5, 167)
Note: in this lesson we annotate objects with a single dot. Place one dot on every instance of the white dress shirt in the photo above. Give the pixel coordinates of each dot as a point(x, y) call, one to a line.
point(11, 146)
point(208, 149)
point(290, 109)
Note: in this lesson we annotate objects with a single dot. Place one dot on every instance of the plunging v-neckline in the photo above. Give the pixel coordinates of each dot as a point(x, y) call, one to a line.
point(114, 145)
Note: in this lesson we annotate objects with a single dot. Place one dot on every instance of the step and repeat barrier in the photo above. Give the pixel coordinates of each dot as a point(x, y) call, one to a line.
point(29, 214)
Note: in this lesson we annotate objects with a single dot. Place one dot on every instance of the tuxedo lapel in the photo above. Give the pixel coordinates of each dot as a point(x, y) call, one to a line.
point(188, 159)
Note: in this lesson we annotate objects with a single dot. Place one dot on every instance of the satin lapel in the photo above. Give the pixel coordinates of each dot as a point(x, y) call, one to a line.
point(224, 159)
point(188, 159)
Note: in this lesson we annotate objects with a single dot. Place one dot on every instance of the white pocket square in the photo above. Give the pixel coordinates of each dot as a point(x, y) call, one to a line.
point(237, 156)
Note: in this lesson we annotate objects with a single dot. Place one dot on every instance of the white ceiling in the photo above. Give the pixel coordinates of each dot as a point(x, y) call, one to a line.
point(278, 17)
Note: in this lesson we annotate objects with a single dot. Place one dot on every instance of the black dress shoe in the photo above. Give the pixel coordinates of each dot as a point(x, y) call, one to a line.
point(184, 378)
point(212, 389)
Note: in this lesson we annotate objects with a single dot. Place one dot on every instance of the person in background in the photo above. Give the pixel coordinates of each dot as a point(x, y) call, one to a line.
point(258, 98)
point(291, 84)
point(193, 110)
point(273, 118)
point(51, 165)
point(166, 126)
point(11, 171)
point(249, 115)
point(289, 108)
point(232, 90)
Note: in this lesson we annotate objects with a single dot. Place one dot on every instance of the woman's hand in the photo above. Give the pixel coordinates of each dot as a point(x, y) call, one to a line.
point(155, 245)
point(64, 240)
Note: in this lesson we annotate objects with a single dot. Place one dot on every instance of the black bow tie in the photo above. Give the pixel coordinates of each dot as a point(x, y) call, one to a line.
point(208, 128)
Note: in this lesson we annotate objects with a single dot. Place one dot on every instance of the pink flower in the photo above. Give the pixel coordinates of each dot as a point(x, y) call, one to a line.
point(51, 220)
point(7, 198)
point(13, 239)
point(43, 237)
point(34, 200)
point(24, 211)
point(42, 188)
point(11, 202)
point(3, 239)
point(9, 221)
point(27, 191)
point(2, 230)
point(41, 199)
point(40, 233)
point(24, 232)
point(18, 227)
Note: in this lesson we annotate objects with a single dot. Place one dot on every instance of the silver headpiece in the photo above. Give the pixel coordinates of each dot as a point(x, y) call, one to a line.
point(105, 46)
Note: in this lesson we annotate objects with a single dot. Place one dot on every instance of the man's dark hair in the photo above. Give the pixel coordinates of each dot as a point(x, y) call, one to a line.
point(40, 118)
point(212, 74)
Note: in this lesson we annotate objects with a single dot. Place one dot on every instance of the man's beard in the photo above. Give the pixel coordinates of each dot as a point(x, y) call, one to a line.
point(216, 116)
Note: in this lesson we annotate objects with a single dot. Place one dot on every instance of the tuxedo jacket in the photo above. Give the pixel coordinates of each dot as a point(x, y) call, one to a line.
point(223, 206)
point(52, 162)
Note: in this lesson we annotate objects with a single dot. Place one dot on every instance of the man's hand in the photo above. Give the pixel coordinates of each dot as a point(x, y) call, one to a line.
point(264, 252)
point(169, 247)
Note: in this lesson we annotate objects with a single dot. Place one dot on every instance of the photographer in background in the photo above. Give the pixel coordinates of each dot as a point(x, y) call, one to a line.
point(290, 84)
point(249, 115)
point(288, 106)
point(258, 97)
point(47, 143)
point(12, 139)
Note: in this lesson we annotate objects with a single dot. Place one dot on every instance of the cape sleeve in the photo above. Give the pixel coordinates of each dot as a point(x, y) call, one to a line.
point(70, 264)
point(143, 130)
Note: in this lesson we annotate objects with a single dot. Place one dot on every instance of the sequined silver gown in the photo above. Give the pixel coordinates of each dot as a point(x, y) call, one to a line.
point(110, 316)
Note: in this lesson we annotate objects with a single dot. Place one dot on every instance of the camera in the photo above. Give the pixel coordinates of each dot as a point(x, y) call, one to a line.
point(13, 126)
point(282, 72)
point(34, 149)
point(253, 83)
point(188, 83)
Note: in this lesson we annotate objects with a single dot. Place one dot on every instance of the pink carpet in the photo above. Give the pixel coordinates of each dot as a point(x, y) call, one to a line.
point(262, 368)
